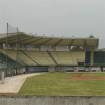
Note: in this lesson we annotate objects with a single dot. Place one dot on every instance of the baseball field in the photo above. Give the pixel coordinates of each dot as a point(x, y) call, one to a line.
point(65, 84)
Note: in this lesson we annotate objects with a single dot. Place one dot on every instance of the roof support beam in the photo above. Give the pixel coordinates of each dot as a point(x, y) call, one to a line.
point(32, 41)
point(39, 42)
point(85, 44)
point(31, 58)
point(49, 53)
point(70, 44)
point(58, 42)
point(46, 41)
point(20, 40)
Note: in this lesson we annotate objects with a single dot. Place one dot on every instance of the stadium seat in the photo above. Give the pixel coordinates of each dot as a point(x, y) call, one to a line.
point(32, 58)
point(21, 57)
point(68, 58)
point(41, 57)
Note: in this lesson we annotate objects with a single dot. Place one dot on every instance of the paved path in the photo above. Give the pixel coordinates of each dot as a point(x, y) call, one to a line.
point(13, 84)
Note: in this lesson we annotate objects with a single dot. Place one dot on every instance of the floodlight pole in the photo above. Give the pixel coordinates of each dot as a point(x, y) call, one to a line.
point(6, 50)
point(17, 51)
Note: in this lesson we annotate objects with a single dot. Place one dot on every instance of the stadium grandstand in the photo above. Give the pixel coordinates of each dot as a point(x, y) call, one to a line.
point(24, 53)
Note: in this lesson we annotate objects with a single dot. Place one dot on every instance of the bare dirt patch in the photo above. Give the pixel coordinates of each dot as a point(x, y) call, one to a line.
point(8, 94)
point(81, 76)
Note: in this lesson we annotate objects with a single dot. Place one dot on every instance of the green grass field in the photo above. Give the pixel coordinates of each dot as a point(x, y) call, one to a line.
point(61, 84)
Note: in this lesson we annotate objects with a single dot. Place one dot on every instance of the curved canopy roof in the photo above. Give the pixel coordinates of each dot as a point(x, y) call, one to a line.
point(27, 39)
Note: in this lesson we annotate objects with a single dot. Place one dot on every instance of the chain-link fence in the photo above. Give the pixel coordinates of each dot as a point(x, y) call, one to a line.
point(9, 52)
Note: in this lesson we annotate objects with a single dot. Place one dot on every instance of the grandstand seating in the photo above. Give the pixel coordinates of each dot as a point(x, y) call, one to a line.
point(7, 62)
point(11, 63)
point(25, 59)
point(69, 58)
point(42, 58)
point(21, 52)
point(22, 58)
point(10, 53)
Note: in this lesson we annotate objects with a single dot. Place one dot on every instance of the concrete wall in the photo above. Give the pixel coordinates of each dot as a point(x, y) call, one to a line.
point(51, 69)
point(37, 100)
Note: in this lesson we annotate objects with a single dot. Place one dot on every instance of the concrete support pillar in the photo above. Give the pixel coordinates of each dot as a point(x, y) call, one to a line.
point(76, 69)
point(51, 69)
point(91, 57)
point(53, 48)
point(2, 77)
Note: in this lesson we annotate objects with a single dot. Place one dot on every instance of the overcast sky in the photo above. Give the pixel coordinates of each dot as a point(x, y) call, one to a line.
point(55, 17)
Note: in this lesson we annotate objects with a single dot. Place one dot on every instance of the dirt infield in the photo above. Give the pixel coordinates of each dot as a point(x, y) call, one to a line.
point(82, 76)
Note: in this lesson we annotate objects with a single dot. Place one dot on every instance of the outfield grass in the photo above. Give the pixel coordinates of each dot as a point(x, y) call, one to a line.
point(60, 84)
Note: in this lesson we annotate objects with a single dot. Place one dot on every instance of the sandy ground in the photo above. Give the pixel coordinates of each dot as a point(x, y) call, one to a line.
point(13, 84)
